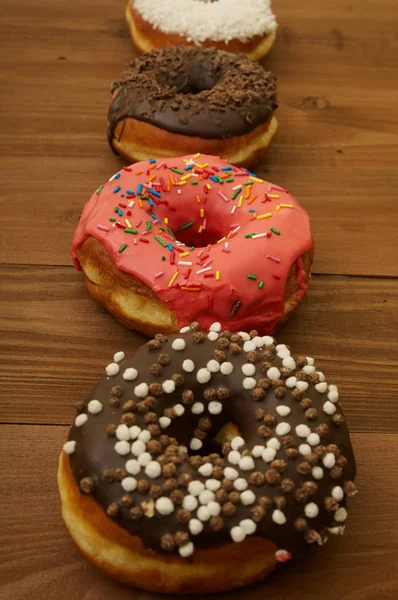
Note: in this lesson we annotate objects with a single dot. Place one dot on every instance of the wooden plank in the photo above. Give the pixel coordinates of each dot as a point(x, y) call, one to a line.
point(57, 341)
point(336, 80)
point(39, 560)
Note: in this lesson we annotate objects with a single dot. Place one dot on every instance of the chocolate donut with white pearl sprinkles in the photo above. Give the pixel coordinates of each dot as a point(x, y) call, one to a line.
point(204, 461)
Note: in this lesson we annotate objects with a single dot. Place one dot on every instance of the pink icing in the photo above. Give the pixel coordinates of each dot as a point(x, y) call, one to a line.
point(268, 258)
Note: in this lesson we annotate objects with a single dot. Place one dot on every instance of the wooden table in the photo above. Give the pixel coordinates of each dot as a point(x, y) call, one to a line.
point(336, 150)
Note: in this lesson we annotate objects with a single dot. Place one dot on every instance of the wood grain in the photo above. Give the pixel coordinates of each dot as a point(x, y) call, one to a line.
point(38, 558)
point(336, 72)
point(57, 341)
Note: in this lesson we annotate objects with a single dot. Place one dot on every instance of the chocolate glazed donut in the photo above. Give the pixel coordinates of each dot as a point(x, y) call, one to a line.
point(204, 446)
point(207, 100)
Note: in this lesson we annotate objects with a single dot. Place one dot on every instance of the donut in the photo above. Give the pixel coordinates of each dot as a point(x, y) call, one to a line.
point(165, 243)
point(204, 461)
point(247, 27)
point(180, 100)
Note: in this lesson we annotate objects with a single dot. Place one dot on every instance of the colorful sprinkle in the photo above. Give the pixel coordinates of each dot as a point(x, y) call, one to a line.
point(122, 248)
point(275, 231)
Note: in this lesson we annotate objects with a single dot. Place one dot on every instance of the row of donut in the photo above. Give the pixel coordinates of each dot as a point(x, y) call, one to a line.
point(212, 455)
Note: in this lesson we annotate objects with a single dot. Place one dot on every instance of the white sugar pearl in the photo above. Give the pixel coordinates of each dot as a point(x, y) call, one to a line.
point(213, 366)
point(80, 420)
point(278, 517)
point(273, 373)
point(203, 375)
point(274, 443)
point(214, 508)
point(183, 449)
point(195, 487)
point(203, 513)
point(153, 469)
point(238, 533)
point(280, 347)
point(321, 376)
point(340, 515)
point(283, 410)
point(317, 472)
point(164, 505)
point(310, 360)
point(237, 442)
point(249, 346)
point(234, 457)
point(188, 365)
point(333, 396)
point(283, 354)
point(123, 432)
point(249, 383)
point(249, 526)
point(321, 387)
point(94, 407)
point(257, 451)
point(195, 526)
point(138, 447)
point(268, 455)
point(302, 385)
point(246, 463)
point(231, 473)
point(212, 336)
point(336, 530)
point(291, 382)
point(129, 484)
point(179, 409)
point(69, 447)
point(289, 363)
point(248, 369)
point(244, 335)
point(144, 459)
point(311, 510)
point(130, 374)
point(226, 368)
point(240, 484)
point(303, 430)
point(132, 466)
point(184, 329)
point(268, 340)
point(197, 408)
point(309, 369)
point(118, 357)
point(247, 497)
point(206, 470)
point(186, 550)
point(329, 408)
point(329, 460)
point(313, 439)
point(168, 386)
point(122, 447)
point(215, 327)
point(134, 431)
point(141, 390)
point(213, 484)
point(178, 344)
point(337, 493)
point(195, 444)
point(190, 503)
point(282, 428)
point(112, 369)
point(144, 436)
point(258, 341)
point(206, 496)
point(164, 422)
point(214, 407)
point(304, 449)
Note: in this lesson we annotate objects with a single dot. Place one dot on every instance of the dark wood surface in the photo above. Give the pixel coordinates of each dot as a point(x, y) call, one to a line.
point(336, 150)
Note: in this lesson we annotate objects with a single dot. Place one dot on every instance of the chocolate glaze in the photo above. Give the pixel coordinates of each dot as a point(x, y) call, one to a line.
point(95, 450)
point(194, 92)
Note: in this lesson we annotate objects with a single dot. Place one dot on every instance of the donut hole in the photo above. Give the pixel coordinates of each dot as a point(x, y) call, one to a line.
point(192, 238)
